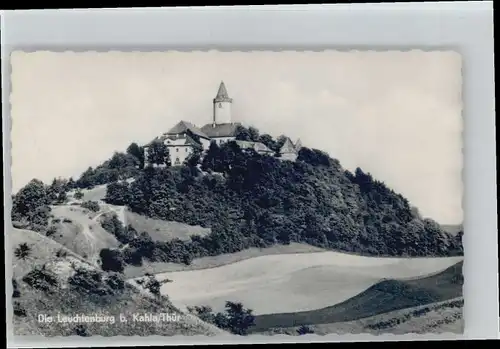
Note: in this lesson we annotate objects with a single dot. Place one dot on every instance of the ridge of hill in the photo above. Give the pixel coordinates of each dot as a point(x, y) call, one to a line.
point(33, 297)
point(383, 297)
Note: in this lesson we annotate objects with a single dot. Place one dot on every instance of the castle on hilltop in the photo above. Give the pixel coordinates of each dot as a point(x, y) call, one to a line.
point(181, 142)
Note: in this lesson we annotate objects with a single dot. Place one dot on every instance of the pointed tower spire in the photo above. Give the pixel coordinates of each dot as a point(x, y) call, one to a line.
point(222, 95)
point(222, 106)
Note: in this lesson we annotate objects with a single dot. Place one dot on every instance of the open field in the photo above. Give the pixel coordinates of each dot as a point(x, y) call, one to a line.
point(293, 282)
point(383, 297)
point(64, 301)
point(220, 260)
point(95, 194)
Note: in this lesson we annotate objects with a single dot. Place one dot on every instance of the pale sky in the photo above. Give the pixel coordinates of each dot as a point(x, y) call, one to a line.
point(395, 114)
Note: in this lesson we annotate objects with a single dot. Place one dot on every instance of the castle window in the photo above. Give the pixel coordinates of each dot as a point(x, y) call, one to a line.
point(220, 105)
point(177, 161)
point(177, 150)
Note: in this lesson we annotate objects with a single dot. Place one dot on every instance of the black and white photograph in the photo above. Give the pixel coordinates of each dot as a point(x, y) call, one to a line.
point(236, 193)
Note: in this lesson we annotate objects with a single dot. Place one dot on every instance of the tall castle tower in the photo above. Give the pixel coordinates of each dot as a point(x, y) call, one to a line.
point(222, 106)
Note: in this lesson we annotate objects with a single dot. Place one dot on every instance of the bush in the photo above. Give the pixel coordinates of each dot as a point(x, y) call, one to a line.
point(19, 310)
point(204, 312)
point(81, 330)
point(91, 282)
point(61, 253)
point(42, 279)
point(30, 206)
point(114, 226)
point(152, 284)
point(67, 220)
point(22, 251)
point(304, 329)
point(236, 319)
point(116, 282)
point(78, 195)
point(91, 206)
point(51, 231)
point(112, 260)
point(15, 287)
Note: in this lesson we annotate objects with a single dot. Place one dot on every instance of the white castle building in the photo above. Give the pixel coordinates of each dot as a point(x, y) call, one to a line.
point(181, 142)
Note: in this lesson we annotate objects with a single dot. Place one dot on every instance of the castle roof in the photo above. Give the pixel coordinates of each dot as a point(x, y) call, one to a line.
point(183, 126)
point(288, 147)
point(220, 130)
point(222, 95)
point(179, 140)
point(257, 146)
point(298, 145)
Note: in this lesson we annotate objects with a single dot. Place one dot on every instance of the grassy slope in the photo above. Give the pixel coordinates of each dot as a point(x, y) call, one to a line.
point(84, 234)
point(65, 302)
point(385, 296)
point(439, 317)
point(160, 230)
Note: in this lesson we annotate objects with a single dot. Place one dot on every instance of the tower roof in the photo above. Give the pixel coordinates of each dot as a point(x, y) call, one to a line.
point(222, 95)
point(288, 147)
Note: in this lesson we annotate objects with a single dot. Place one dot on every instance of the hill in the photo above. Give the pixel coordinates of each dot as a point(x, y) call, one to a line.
point(453, 229)
point(42, 295)
point(235, 199)
point(232, 225)
point(383, 297)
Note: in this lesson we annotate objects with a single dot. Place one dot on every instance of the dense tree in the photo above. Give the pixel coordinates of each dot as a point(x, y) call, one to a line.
point(137, 152)
point(56, 192)
point(111, 260)
point(122, 160)
point(117, 193)
point(235, 319)
point(112, 224)
point(41, 278)
point(212, 159)
point(242, 133)
point(158, 154)
point(254, 134)
point(90, 282)
point(30, 206)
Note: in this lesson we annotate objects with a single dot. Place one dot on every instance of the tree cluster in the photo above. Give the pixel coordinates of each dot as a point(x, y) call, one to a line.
point(236, 319)
point(253, 200)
